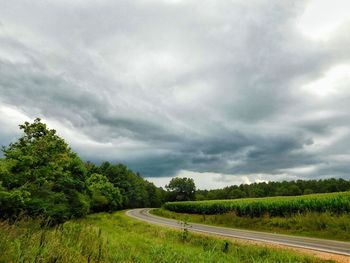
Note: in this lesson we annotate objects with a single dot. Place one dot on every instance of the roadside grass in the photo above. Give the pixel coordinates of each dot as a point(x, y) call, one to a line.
point(117, 238)
point(311, 224)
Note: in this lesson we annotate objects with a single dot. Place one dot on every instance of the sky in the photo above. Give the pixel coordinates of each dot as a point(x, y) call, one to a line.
point(224, 92)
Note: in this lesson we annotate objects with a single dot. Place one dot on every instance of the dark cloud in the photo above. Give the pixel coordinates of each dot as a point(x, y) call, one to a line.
point(169, 86)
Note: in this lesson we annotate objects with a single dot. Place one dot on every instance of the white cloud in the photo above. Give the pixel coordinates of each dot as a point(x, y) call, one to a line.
point(334, 82)
point(321, 18)
point(302, 170)
point(217, 180)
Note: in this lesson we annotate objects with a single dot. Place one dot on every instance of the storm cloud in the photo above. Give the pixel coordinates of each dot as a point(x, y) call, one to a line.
point(225, 91)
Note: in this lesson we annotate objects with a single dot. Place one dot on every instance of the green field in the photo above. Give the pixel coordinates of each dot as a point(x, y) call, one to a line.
point(335, 203)
point(317, 215)
point(117, 238)
point(319, 225)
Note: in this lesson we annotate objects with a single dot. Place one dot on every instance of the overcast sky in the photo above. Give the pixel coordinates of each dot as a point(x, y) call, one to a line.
point(225, 92)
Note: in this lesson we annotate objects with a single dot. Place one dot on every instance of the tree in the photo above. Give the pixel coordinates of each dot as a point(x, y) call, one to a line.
point(42, 168)
point(154, 194)
point(104, 196)
point(181, 189)
point(236, 193)
point(308, 192)
point(294, 190)
point(136, 191)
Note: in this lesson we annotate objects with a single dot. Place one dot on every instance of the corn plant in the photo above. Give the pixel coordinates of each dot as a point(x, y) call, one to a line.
point(335, 203)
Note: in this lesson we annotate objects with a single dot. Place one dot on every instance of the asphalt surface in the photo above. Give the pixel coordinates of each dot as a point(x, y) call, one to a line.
point(330, 246)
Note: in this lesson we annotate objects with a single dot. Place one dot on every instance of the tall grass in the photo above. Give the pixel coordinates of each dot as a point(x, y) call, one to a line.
point(29, 241)
point(336, 203)
point(116, 238)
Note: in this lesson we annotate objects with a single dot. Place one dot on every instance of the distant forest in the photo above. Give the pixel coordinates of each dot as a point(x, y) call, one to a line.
point(40, 176)
point(285, 188)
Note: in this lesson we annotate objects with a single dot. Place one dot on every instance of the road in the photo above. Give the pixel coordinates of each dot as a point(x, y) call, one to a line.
point(330, 246)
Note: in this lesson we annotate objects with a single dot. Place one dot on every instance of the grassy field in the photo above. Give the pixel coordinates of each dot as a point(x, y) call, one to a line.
point(335, 203)
point(319, 225)
point(316, 215)
point(117, 238)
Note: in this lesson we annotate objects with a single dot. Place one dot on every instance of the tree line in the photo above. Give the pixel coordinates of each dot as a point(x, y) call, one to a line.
point(40, 176)
point(284, 188)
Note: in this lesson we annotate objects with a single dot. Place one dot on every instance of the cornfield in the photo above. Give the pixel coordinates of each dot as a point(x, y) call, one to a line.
point(336, 203)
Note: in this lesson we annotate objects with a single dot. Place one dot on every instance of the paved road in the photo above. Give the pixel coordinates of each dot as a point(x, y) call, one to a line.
point(334, 247)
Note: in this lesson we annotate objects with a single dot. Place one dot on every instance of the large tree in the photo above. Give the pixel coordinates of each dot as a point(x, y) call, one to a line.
point(181, 189)
point(43, 173)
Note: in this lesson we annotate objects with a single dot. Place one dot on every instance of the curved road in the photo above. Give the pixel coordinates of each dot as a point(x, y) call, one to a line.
point(330, 246)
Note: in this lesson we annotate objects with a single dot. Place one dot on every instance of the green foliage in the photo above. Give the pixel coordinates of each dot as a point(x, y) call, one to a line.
point(337, 203)
point(284, 188)
point(117, 238)
point(41, 176)
point(184, 233)
point(136, 191)
point(155, 194)
point(12, 202)
point(104, 196)
point(181, 189)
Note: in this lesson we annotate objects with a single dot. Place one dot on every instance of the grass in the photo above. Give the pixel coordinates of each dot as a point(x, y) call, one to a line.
point(311, 224)
point(116, 238)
